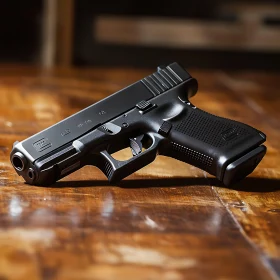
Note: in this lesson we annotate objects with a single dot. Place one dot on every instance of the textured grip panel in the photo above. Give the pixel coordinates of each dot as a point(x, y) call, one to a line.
point(199, 159)
point(215, 131)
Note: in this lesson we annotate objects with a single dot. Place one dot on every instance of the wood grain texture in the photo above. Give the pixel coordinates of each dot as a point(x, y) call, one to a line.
point(167, 221)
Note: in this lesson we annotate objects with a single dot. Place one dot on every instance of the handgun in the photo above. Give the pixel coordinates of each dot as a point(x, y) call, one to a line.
point(153, 117)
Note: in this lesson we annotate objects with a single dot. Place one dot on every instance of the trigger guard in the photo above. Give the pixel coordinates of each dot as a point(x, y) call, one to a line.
point(116, 170)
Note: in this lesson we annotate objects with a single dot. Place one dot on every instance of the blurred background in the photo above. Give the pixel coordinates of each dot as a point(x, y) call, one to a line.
point(200, 34)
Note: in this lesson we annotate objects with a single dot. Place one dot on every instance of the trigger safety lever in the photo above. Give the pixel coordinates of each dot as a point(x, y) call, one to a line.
point(136, 145)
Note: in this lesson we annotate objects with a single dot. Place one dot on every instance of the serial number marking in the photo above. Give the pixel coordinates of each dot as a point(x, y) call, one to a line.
point(69, 168)
point(65, 132)
point(80, 125)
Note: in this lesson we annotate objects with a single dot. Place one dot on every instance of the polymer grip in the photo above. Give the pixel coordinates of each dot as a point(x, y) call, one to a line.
point(224, 148)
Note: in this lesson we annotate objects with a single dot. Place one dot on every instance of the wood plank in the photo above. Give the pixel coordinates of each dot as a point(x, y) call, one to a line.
point(256, 204)
point(168, 220)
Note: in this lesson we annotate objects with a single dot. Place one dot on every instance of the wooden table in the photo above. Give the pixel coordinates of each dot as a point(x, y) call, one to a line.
point(167, 221)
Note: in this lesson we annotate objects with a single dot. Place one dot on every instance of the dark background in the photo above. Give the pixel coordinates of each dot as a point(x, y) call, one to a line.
point(22, 39)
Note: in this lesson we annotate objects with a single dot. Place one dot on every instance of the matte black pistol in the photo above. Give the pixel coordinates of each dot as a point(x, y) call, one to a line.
point(152, 116)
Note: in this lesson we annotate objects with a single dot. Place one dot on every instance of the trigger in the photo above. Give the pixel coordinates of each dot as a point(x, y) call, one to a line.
point(136, 145)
